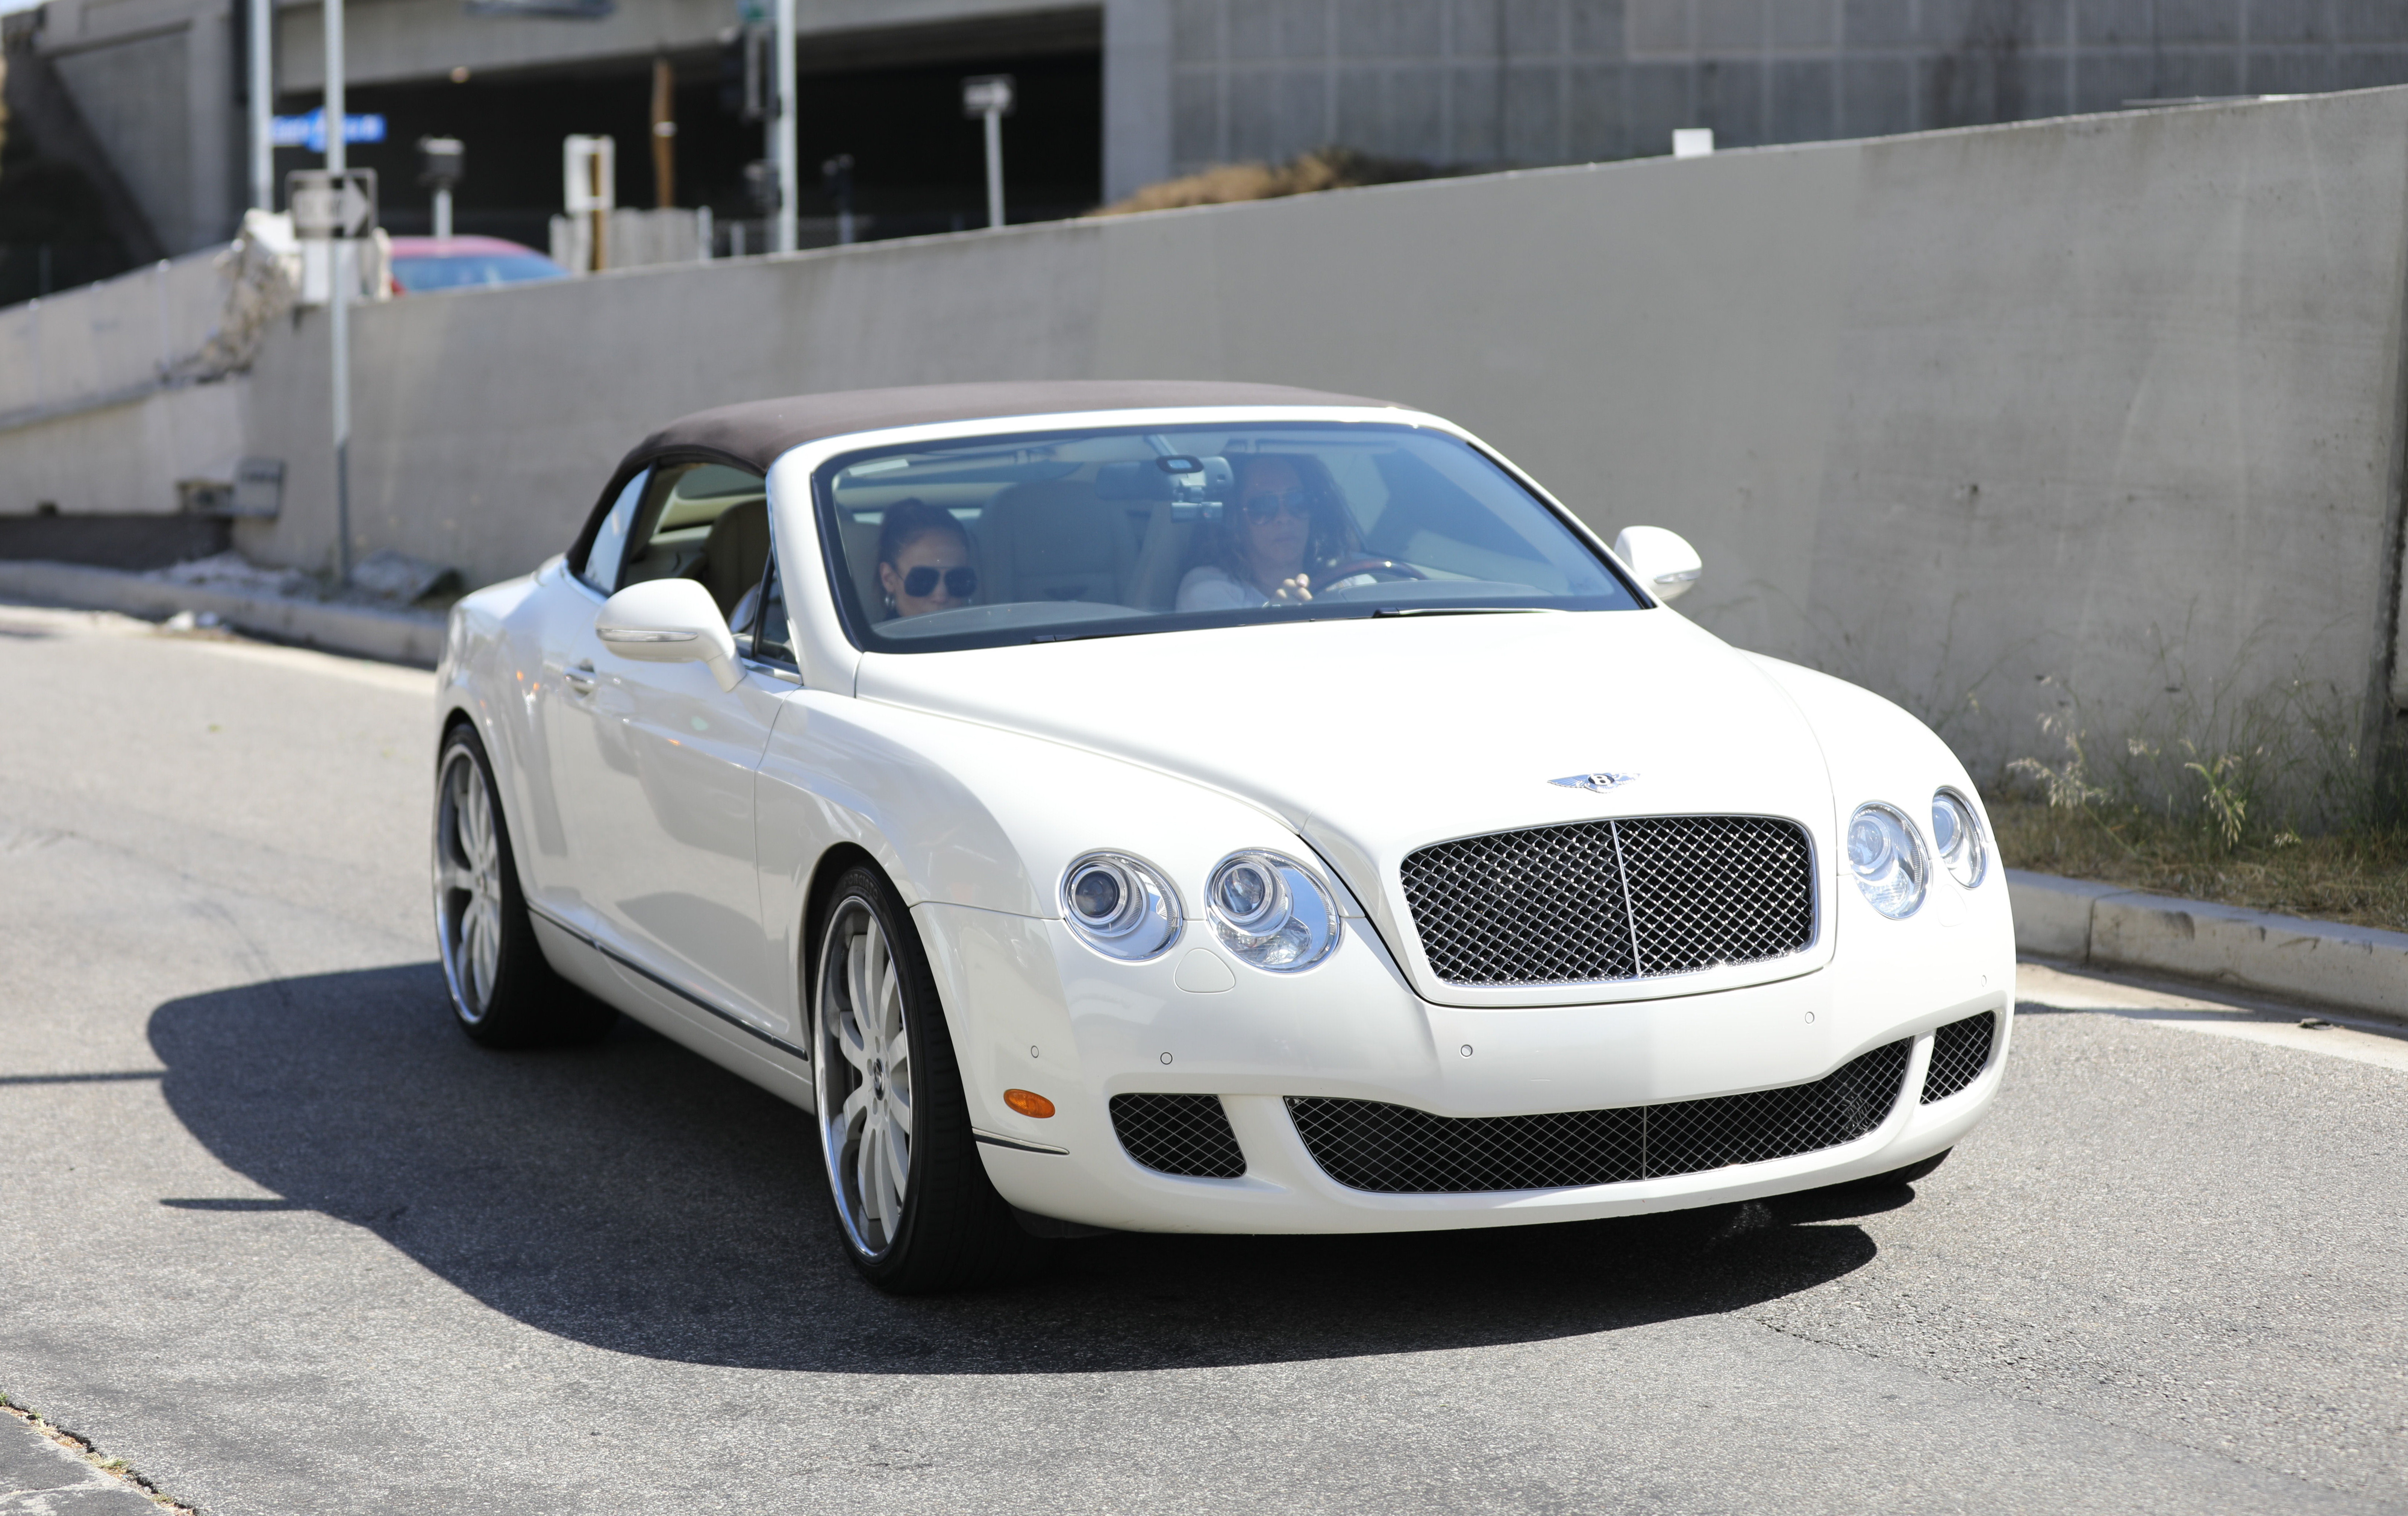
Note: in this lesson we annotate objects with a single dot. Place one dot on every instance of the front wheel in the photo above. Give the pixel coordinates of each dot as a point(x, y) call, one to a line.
point(912, 1197)
point(504, 995)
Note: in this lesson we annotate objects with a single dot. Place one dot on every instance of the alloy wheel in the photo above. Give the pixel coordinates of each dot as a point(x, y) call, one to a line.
point(468, 884)
point(864, 1058)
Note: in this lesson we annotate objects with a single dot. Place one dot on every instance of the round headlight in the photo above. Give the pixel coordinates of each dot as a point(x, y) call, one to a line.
point(1958, 837)
point(1887, 859)
point(1120, 906)
point(1271, 912)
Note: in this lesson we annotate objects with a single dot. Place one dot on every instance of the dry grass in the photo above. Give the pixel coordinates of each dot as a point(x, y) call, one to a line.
point(1324, 169)
point(83, 1448)
point(2356, 875)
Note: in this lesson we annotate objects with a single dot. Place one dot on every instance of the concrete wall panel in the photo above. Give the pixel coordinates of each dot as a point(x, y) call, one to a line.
point(125, 460)
point(136, 96)
point(1951, 415)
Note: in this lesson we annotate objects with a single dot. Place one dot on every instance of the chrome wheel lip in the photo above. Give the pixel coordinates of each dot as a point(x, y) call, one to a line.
point(862, 1074)
point(468, 880)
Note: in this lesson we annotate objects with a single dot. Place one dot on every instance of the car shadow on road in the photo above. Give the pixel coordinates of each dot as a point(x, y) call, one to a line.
point(634, 1197)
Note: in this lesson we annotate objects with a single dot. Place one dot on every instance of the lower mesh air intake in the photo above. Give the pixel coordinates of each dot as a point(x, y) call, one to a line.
point(1188, 1135)
point(1959, 1052)
point(1395, 1149)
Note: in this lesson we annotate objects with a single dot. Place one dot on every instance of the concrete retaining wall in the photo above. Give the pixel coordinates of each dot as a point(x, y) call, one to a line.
point(108, 338)
point(1976, 418)
point(125, 459)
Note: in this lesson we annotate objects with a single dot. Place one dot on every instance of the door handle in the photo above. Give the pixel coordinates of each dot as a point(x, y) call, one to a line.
point(578, 678)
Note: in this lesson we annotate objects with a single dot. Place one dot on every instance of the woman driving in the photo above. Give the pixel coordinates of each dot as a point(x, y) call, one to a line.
point(923, 560)
point(1286, 516)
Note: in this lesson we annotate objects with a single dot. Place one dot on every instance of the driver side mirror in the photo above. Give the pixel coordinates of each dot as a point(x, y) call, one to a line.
point(669, 621)
point(1664, 561)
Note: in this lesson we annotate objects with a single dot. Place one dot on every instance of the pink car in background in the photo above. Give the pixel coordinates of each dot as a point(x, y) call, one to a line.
point(423, 264)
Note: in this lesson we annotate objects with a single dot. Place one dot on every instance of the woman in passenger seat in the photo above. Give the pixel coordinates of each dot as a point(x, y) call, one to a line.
point(1286, 517)
point(923, 560)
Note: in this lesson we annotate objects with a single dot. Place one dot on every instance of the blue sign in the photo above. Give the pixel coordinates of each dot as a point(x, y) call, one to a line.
point(310, 131)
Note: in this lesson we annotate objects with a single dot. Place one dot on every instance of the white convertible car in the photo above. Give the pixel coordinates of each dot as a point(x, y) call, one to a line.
point(1214, 808)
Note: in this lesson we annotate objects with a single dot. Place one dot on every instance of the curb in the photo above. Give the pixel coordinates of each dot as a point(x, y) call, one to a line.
point(401, 636)
point(2077, 921)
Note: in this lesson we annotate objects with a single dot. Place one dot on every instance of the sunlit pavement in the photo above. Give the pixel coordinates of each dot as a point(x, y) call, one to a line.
point(277, 1234)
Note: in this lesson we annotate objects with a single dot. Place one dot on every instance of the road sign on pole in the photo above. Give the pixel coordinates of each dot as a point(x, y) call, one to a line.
point(589, 176)
point(990, 96)
point(309, 130)
point(331, 204)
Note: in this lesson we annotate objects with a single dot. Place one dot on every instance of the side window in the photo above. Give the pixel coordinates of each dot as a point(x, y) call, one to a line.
point(603, 556)
point(703, 522)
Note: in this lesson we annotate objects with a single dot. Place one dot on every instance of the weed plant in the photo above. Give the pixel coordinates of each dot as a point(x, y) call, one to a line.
point(2270, 799)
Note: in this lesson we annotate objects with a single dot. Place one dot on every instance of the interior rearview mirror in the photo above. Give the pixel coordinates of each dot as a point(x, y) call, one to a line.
point(669, 621)
point(1664, 561)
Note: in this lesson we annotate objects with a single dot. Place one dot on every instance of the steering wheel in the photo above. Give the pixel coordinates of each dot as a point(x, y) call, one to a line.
point(1360, 571)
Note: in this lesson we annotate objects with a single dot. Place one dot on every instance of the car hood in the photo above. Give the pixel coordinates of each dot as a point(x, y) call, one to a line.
point(1373, 738)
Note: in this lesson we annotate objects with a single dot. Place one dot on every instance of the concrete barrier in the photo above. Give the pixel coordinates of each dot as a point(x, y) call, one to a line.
point(2076, 920)
point(398, 636)
point(1976, 418)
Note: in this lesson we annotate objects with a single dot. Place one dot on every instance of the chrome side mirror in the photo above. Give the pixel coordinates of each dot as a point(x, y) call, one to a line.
point(669, 621)
point(1664, 561)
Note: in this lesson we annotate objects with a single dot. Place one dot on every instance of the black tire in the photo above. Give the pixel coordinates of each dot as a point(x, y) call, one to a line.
point(504, 995)
point(1897, 1177)
point(944, 1227)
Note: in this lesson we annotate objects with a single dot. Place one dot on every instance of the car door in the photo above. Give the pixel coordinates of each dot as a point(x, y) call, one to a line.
point(654, 763)
point(555, 649)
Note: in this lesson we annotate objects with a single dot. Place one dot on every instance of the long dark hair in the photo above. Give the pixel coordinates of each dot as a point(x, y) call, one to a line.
point(1330, 537)
point(910, 520)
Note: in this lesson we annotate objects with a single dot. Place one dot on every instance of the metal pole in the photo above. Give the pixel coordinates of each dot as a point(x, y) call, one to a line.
point(994, 166)
point(443, 213)
point(781, 130)
point(338, 269)
point(263, 104)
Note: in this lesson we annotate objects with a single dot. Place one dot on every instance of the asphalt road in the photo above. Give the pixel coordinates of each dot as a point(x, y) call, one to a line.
point(274, 1231)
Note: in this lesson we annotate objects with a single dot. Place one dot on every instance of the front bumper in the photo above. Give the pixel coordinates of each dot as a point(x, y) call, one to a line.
point(1033, 1008)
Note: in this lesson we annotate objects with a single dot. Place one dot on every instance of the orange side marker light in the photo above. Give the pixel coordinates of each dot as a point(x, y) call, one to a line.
point(1028, 1103)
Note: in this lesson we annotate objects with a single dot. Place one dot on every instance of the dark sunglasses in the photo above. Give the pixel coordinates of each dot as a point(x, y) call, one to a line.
point(1264, 506)
point(921, 582)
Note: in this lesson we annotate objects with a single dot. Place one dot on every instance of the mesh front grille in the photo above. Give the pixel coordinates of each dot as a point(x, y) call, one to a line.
point(1959, 1052)
point(1395, 1149)
point(1612, 900)
point(1179, 1134)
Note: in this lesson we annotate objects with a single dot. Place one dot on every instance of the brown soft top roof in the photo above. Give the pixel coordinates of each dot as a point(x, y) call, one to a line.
point(759, 431)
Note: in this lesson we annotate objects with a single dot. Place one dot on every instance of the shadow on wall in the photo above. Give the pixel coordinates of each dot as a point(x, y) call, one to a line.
point(634, 1197)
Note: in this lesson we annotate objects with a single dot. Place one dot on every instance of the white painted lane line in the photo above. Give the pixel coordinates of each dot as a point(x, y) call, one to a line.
point(2040, 986)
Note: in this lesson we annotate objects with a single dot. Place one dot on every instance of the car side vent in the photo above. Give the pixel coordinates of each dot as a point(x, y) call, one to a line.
point(1188, 1135)
point(1959, 1052)
point(1395, 1149)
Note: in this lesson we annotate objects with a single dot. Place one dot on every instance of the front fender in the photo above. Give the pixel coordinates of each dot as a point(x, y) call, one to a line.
point(963, 815)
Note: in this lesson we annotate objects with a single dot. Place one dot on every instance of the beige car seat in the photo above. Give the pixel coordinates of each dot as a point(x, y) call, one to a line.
point(1053, 540)
point(860, 538)
point(735, 553)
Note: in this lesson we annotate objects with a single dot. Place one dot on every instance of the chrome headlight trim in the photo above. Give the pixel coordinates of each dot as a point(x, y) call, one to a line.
point(1957, 836)
point(1271, 912)
point(1121, 906)
point(1886, 854)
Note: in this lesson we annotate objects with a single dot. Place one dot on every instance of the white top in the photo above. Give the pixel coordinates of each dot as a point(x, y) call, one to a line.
point(1213, 588)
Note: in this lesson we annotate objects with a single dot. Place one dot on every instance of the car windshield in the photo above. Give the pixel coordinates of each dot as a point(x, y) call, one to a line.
point(473, 270)
point(1048, 536)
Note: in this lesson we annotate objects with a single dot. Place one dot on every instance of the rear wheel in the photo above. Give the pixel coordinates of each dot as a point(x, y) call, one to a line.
point(503, 993)
point(912, 1197)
